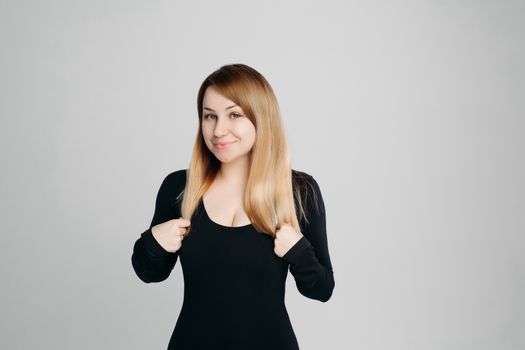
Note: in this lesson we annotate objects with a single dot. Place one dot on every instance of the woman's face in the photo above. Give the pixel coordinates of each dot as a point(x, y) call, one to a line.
point(227, 132)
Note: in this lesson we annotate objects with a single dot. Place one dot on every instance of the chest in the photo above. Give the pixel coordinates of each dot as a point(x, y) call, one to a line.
point(215, 254)
point(225, 206)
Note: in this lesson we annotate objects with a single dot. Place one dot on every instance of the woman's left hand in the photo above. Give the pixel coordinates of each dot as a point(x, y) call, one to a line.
point(285, 238)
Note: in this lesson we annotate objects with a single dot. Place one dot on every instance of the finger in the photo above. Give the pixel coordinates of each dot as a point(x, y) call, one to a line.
point(183, 222)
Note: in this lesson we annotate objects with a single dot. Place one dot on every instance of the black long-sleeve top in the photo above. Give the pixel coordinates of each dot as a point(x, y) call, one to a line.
point(234, 283)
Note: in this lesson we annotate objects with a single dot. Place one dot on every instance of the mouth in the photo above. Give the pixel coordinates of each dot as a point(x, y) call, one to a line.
point(223, 145)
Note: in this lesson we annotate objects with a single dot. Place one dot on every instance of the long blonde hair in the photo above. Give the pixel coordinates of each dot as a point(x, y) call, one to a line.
point(268, 199)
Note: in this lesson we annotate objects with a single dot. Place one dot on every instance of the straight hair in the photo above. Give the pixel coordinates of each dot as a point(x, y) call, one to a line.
point(269, 196)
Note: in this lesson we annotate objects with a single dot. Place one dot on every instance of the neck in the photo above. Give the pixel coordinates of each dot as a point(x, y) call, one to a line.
point(235, 173)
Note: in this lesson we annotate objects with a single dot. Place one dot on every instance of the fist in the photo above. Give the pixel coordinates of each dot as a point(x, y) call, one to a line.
point(170, 234)
point(285, 238)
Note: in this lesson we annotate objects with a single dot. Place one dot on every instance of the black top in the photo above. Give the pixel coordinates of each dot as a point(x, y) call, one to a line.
point(234, 283)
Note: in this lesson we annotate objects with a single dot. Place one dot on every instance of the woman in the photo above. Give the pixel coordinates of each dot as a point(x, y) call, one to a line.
point(238, 218)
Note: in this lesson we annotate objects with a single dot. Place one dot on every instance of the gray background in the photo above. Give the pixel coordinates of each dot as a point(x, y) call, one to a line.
point(410, 115)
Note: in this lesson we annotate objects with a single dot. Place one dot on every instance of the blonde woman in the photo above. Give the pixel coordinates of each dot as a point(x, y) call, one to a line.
point(238, 219)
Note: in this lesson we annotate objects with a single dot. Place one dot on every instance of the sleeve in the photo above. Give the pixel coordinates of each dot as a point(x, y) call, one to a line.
point(309, 258)
point(151, 262)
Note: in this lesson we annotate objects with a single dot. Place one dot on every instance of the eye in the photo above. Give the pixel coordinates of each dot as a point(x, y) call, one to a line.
point(235, 114)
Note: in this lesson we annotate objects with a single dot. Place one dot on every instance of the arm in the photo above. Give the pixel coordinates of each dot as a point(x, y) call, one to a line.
point(151, 262)
point(309, 258)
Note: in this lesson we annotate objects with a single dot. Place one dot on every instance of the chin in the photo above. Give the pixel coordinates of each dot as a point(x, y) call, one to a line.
point(226, 159)
point(229, 158)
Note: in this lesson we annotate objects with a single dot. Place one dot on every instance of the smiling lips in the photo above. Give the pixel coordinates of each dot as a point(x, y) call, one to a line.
point(223, 145)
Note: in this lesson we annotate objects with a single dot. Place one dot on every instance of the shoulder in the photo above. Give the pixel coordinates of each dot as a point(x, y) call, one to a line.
point(174, 182)
point(309, 190)
point(177, 176)
point(298, 174)
point(305, 181)
point(302, 179)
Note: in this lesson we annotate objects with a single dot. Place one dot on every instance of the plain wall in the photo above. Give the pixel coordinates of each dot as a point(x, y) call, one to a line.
point(409, 114)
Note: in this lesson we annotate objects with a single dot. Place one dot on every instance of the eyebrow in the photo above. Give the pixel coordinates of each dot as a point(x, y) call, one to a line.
point(209, 109)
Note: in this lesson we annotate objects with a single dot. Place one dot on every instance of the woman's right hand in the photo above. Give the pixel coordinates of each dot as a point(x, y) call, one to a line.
point(170, 234)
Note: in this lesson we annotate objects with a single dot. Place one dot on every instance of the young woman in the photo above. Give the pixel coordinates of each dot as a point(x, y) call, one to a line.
point(238, 218)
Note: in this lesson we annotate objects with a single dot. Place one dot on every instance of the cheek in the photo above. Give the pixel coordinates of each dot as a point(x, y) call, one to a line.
point(206, 136)
point(205, 130)
point(252, 135)
point(248, 131)
point(247, 138)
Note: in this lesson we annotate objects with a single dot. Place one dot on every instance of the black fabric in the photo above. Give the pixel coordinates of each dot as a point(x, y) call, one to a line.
point(234, 283)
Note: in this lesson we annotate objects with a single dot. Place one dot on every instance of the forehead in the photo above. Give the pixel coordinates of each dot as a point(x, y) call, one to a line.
point(213, 99)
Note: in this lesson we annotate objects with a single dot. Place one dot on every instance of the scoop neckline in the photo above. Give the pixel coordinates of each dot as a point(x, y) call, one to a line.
point(220, 225)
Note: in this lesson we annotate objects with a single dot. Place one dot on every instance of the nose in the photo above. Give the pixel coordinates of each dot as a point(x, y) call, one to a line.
point(221, 127)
